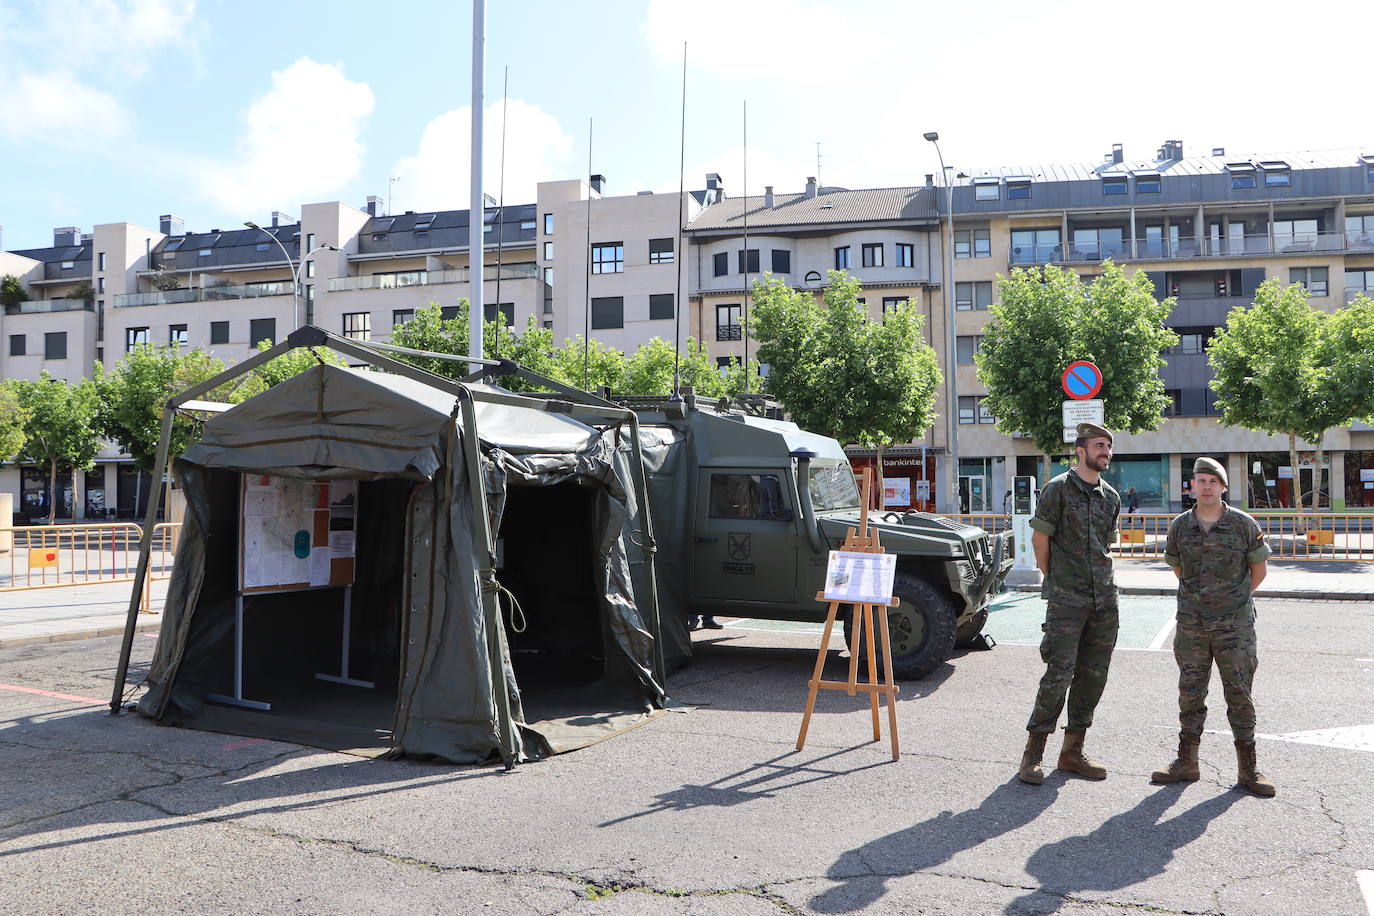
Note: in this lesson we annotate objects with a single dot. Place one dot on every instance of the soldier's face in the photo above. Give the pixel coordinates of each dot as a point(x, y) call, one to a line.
point(1207, 488)
point(1097, 453)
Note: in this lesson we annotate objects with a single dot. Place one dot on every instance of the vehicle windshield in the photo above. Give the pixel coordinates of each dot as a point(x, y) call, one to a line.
point(833, 487)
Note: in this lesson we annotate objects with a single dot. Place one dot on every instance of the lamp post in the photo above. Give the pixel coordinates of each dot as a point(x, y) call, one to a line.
point(951, 375)
point(295, 269)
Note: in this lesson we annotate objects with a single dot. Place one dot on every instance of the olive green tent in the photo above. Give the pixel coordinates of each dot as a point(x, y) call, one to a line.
point(502, 602)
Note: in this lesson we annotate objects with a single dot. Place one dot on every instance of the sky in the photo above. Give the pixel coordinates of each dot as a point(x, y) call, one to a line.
point(220, 112)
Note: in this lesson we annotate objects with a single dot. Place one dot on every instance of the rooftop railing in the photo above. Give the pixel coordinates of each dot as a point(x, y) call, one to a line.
point(400, 279)
point(204, 294)
point(1192, 247)
point(36, 306)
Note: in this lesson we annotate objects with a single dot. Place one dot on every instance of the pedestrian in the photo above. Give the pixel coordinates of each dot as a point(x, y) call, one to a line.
point(1219, 555)
point(1132, 500)
point(1074, 523)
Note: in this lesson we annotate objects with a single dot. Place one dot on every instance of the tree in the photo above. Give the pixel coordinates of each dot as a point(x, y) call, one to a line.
point(134, 394)
point(532, 349)
point(84, 291)
point(1284, 367)
point(840, 374)
point(288, 365)
point(60, 431)
point(13, 418)
point(649, 371)
point(589, 367)
point(430, 330)
point(12, 291)
point(164, 280)
point(1046, 318)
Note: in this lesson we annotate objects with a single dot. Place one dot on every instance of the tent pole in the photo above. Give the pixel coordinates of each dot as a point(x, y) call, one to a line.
point(145, 549)
point(650, 548)
point(491, 609)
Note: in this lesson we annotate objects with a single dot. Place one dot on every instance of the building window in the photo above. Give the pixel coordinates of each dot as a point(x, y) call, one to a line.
point(972, 243)
point(608, 312)
point(134, 337)
point(260, 329)
point(527, 225)
point(1242, 176)
point(968, 407)
point(1018, 189)
point(1359, 282)
point(1147, 184)
point(608, 258)
point(1096, 244)
point(890, 303)
point(1298, 234)
point(972, 296)
point(19, 345)
point(100, 261)
point(725, 363)
point(782, 261)
point(1191, 343)
point(1175, 403)
point(660, 306)
point(548, 325)
point(309, 269)
point(728, 322)
point(100, 284)
point(1313, 278)
point(177, 335)
point(205, 252)
point(986, 189)
point(310, 241)
point(548, 251)
point(401, 316)
point(55, 344)
point(448, 312)
point(548, 224)
point(720, 264)
point(398, 278)
point(984, 414)
point(842, 258)
point(357, 325)
point(1113, 186)
point(1359, 232)
point(872, 255)
point(503, 312)
point(660, 251)
point(219, 332)
point(1034, 246)
point(548, 276)
point(1276, 174)
point(967, 345)
point(906, 254)
point(749, 265)
point(262, 246)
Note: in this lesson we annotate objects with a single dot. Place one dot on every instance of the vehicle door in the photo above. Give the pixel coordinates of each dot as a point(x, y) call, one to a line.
point(745, 541)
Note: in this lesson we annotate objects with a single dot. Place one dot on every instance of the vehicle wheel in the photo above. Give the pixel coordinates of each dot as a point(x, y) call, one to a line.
point(921, 629)
point(971, 630)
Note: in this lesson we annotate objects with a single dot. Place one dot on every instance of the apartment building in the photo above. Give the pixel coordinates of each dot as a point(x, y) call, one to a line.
point(1207, 229)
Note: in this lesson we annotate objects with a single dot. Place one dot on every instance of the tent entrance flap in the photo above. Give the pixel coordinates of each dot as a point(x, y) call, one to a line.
point(572, 690)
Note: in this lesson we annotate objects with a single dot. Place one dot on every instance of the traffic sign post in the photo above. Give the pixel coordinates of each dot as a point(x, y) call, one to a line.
point(1081, 380)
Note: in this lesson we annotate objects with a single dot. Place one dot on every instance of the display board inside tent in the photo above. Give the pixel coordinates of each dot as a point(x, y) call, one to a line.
point(296, 534)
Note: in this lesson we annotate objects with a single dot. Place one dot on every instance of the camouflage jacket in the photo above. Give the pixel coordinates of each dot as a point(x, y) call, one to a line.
point(1081, 520)
point(1215, 586)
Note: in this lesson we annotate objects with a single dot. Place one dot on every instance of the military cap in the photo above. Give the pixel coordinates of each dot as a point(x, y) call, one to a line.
point(1093, 431)
point(1206, 465)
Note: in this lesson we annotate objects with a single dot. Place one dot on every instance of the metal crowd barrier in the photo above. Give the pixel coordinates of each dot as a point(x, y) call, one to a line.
point(1291, 535)
point(59, 556)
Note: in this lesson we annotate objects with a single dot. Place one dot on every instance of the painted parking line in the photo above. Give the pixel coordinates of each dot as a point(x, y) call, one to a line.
point(1163, 635)
point(55, 696)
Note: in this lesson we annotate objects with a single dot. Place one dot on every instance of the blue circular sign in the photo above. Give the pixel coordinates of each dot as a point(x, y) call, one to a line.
point(1082, 380)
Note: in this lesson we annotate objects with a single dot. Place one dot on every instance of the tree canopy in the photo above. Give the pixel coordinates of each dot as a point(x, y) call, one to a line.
point(288, 365)
point(838, 373)
point(1046, 318)
point(59, 432)
point(13, 417)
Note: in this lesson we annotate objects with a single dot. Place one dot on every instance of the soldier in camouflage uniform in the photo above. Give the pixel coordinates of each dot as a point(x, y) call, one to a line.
point(1218, 554)
point(1074, 524)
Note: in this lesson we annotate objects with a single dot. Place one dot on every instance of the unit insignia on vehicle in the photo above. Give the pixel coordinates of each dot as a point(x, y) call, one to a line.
point(738, 546)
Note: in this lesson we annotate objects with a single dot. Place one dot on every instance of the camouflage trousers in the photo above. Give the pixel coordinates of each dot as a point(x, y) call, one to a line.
point(1233, 650)
point(1077, 651)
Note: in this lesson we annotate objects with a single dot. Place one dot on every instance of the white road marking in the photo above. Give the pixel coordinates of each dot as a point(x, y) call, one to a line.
point(1351, 738)
point(1365, 879)
point(1163, 635)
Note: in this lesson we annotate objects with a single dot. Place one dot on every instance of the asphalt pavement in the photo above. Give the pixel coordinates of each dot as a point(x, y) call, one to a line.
point(710, 809)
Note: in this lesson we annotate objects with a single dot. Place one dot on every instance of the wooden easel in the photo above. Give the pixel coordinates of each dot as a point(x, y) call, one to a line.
point(859, 540)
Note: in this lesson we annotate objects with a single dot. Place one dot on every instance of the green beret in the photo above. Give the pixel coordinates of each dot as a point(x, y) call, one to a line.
point(1209, 466)
point(1093, 431)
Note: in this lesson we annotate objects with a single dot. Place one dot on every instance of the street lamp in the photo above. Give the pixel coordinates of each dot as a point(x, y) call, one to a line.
point(951, 375)
point(295, 270)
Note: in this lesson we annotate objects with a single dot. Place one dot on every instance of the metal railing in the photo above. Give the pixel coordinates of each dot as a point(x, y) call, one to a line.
point(204, 294)
point(432, 277)
point(1290, 535)
point(59, 556)
point(34, 306)
point(1191, 247)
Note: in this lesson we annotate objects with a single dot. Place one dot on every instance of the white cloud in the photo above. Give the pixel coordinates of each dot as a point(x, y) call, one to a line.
point(58, 106)
point(301, 140)
point(438, 175)
point(788, 41)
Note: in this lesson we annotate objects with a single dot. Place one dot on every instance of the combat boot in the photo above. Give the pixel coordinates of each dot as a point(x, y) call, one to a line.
point(1030, 771)
point(1184, 768)
point(1248, 775)
point(1071, 756)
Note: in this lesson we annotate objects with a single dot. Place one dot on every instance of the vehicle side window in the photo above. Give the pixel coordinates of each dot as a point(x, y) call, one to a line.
point(756, 496)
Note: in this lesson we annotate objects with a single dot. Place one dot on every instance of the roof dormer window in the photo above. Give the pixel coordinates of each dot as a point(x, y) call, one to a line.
point(1276, 174)
point(987, 188)
point(1242, 175)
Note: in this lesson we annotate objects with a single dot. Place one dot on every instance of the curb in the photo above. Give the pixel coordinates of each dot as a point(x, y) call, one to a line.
point(68, 636)
point(1307, 595)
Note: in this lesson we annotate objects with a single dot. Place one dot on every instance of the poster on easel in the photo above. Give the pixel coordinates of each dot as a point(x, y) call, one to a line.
point(296, 534)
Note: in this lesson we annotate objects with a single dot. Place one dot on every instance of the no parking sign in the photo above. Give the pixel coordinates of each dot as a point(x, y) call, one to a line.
point(1081, 380)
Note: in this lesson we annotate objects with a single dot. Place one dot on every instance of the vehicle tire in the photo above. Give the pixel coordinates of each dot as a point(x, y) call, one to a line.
point(921, 629)
point(971, 630)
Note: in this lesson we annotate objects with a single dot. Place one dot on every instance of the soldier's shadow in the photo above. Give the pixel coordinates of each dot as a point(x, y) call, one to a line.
point(1125, 850)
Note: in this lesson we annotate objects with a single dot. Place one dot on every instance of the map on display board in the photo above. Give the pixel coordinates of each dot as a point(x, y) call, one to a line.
point(296, 533)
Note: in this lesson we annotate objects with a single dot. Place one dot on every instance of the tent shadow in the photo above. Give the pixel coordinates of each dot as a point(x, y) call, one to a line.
point(232, 793)
point(761, 780)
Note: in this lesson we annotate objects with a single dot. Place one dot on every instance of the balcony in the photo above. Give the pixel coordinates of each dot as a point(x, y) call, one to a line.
point(1189, 247)
point(729, 332)
point(1353, 292)
point(205, 294)
point(431, 277)
point(37, 306)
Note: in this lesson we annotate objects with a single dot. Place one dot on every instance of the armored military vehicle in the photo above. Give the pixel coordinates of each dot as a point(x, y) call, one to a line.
point(752, 504)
